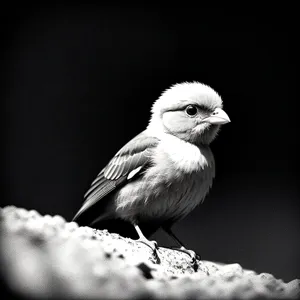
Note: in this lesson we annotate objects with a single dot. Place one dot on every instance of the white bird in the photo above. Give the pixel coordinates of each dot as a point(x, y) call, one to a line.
point(164, 172)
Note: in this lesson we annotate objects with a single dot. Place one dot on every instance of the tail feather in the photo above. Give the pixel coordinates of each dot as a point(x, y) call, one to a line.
point(115, 225)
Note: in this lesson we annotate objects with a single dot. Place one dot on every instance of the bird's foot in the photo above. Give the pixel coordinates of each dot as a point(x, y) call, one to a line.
point(194, 256)
point(153, 246)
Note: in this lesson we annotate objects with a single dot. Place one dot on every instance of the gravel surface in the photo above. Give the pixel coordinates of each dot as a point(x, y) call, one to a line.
point(47, 257)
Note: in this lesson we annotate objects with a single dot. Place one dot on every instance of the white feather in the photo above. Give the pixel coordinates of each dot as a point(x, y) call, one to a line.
point(185, 156)
point(181, 92)
point(133, 172)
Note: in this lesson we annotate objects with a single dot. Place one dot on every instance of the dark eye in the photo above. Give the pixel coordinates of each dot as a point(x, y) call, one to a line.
point(191, 110)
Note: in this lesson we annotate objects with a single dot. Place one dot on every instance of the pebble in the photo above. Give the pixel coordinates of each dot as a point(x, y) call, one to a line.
point(71, 226)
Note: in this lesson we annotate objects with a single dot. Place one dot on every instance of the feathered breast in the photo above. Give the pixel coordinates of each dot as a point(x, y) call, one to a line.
point(178, 180)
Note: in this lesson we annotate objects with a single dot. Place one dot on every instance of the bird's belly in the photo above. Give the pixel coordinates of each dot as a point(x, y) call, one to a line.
point(155, 197)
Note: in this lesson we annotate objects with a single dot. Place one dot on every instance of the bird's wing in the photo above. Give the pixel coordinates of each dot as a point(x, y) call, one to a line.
point(128, 162)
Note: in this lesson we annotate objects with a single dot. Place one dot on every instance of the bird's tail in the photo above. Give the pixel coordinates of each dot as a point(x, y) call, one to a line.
point(115, 225)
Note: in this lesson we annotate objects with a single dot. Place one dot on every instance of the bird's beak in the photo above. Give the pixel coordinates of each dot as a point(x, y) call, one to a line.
point(218, 116)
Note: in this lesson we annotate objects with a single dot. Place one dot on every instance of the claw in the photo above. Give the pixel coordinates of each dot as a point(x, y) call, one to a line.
point(153, 246)
point(194, 256)
point(191, 253)
point(156, 257)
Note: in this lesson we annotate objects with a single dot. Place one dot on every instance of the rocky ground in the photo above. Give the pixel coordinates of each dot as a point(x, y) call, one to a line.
point(47, 257)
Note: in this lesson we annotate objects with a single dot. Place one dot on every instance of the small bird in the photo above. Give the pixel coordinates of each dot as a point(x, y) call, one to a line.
point(164, 172)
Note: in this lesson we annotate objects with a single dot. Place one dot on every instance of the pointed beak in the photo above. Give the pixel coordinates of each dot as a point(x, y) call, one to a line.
point(218, 116)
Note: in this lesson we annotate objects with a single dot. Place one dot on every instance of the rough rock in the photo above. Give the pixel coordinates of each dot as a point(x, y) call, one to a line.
point(47, 257)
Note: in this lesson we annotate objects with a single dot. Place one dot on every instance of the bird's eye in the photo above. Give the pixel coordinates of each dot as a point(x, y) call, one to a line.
point(191, 110)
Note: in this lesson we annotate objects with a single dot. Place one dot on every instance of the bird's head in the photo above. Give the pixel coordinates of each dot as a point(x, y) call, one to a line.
point(190, 111)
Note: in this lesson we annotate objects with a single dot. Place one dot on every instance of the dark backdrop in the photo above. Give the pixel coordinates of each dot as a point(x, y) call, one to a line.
point(80, 82)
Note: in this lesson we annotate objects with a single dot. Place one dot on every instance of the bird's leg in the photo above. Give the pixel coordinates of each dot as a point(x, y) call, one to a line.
point(182, 248)
point(150, 244)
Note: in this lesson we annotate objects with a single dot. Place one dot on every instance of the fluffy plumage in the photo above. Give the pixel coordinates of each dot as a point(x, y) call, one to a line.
point(163, 173)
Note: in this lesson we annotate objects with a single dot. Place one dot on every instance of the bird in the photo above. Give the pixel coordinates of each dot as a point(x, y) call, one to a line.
point(163, 173)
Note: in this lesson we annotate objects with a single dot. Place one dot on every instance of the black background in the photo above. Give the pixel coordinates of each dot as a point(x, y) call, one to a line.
point(80, 81)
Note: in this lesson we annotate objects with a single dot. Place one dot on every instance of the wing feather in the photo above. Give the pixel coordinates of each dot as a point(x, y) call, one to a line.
point(100, 180)
point(135, 154)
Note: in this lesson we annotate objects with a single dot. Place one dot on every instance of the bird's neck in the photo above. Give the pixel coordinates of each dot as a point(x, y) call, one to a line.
point(184, 155)
point(188, 156)
point(156, 129)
